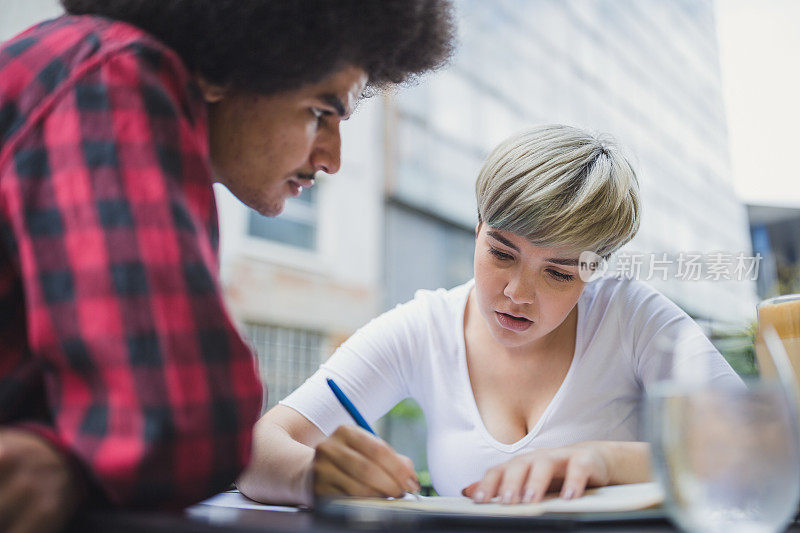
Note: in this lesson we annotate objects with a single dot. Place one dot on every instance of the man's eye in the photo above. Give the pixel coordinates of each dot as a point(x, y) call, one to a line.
point(500, 255)
point(319, 114)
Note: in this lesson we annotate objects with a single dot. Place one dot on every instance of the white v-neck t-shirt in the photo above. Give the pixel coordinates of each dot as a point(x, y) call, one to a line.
point(626, 334)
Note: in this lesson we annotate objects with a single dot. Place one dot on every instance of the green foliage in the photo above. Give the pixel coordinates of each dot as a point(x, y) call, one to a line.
point(738, 348)
point(424, 477)
point(425, 481)
point(407, 409)
point(788, 278)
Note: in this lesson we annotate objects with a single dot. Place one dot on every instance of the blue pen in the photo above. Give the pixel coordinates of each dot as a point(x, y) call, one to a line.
point(355, 415)
point(349, 407)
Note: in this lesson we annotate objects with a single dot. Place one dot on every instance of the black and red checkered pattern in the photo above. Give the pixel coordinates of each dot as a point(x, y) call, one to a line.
point(114, 339)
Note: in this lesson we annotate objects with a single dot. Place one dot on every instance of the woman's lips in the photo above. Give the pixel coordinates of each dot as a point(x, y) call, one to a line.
point(512, 322)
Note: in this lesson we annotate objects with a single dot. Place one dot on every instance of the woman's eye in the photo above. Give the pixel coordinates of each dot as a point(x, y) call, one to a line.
point(560, 276)
point(500, 255)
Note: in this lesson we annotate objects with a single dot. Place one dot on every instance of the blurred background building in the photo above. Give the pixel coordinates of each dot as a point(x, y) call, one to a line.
point(401, 213)
point(775, 232)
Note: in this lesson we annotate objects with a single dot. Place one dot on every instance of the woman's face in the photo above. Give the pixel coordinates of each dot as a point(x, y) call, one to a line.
point(524, 292)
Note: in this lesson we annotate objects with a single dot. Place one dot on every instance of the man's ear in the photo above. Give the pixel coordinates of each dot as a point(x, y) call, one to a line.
point(212, 93)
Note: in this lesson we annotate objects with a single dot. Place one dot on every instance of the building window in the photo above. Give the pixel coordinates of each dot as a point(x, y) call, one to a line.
point(286, 357)
point(424, 251)
point(296, 226)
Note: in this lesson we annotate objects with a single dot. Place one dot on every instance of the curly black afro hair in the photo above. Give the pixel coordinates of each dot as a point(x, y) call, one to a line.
point(267, 46)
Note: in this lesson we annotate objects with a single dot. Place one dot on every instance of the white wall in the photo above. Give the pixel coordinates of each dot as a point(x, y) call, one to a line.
point(16, 15)
point(335, 289)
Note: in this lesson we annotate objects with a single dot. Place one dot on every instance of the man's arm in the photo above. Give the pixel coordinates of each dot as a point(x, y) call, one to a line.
point(151, 388)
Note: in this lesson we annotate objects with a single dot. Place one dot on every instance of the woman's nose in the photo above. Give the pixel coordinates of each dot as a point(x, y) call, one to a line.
point(521, 290)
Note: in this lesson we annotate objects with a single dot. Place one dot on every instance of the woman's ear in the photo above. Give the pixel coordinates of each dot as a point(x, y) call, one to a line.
point(212, 93)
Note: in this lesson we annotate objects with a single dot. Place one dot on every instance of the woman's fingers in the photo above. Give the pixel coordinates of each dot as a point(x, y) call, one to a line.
point(487, 487)
point(331, 481)
point(528, 478)
point(524, 479)
point(360, 464)
point(579, 469)
point(514, 475)
point(469, 490)
point(399, 467)
point(585, 466)
point(351, 463)
point(541, 475)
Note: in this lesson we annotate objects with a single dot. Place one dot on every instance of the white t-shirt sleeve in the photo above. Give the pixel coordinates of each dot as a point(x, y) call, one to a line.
point(373, 367)
point(667, 343)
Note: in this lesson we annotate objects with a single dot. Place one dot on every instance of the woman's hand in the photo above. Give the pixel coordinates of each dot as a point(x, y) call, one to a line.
point(528, 477)
point(354, 462)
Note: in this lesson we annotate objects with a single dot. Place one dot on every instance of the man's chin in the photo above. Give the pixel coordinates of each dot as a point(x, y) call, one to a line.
point(269, 209)
point(273, 210)
point(255, 199)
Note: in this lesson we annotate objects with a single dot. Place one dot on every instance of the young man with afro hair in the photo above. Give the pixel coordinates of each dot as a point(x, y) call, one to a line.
point(122, 378)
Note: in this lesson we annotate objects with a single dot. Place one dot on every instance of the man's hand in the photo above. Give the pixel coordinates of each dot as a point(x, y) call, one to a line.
point(37, 486)
point(355, 463)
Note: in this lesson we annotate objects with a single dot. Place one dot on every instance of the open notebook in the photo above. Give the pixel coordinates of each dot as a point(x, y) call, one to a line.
point(613, 499)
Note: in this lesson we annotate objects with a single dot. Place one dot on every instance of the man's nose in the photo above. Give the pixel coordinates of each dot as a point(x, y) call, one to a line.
point(327, 152)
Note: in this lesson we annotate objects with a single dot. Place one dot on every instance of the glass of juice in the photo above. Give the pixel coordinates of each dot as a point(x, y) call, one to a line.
point(783, 314)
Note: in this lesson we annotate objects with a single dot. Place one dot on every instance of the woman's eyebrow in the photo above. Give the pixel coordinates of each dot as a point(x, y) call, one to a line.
point(566, 261)
point(496, 235)
point(562, 261)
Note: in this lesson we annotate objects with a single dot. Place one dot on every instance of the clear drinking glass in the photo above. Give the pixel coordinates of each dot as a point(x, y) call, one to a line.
point(728, 458)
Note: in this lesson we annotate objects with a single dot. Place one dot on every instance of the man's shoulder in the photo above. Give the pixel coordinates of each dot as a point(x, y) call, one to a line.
point(35, 64)
point(72, 40)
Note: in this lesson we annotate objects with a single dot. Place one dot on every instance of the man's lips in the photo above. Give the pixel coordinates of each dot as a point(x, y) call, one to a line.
point(306, 181)
point(298, 183)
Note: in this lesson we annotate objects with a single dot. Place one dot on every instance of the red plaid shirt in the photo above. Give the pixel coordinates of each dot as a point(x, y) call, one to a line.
point(114, 339)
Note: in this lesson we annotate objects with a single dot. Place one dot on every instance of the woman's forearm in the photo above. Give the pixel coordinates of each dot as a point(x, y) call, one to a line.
point(280, 468)
point(629, 462)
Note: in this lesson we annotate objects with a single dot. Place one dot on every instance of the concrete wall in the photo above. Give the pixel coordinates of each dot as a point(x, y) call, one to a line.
point(17, 15)
point(335, 288)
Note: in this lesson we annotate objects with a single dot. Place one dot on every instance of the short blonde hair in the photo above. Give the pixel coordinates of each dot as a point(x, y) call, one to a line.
point(560, 186)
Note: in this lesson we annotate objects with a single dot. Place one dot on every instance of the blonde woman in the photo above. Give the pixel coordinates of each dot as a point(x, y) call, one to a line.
point(527, 375)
